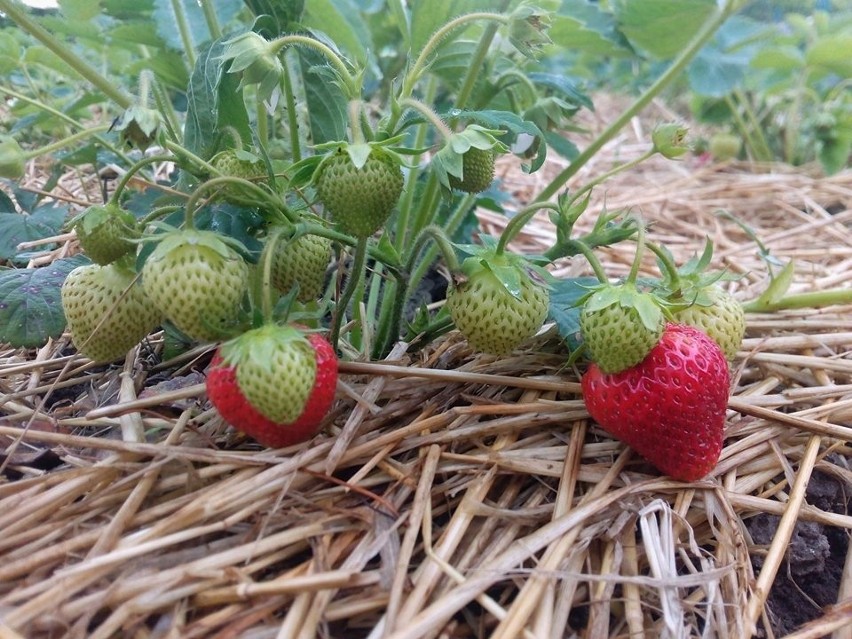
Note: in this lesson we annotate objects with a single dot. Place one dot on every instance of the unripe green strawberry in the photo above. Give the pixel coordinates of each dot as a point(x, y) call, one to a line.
point(104, 233)
point(274, 383)
point(247, 167)
point(108, 313)
point(721, 317)
point(477, 171)
point(303, 261)
point(493, 317)
point(620, 326)
point(359, 199)
point(197, 281)
point(725, 146)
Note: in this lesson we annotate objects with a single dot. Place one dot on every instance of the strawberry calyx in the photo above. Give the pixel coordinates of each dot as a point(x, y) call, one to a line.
point(466, 160)
point(259, 355)
point(509, 269)
point(222, 245)
point(620, 324)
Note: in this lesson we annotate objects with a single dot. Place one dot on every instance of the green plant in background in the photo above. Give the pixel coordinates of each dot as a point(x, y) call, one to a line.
point(364, 136)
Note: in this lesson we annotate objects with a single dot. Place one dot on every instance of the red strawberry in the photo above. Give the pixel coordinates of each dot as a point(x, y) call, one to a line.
point(274, 384)
point(670, 408)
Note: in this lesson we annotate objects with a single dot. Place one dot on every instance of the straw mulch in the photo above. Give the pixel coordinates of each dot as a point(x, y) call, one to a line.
point(451, 494)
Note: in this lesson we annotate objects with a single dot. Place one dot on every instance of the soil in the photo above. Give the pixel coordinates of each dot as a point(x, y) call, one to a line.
point(809, 577)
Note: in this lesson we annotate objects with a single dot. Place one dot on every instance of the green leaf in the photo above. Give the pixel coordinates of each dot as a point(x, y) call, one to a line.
point(214, 102)
point(777, 288)
point(779, 58)
point(562, 86)
point(325, 100)
point(583, 27)
point(564, 310)
point(662, 28)
point(80, 9)
point(832, 54)
point(16, 228)
point(565, 148)
point(30, 303)
point(280, 15)
point(343, 23)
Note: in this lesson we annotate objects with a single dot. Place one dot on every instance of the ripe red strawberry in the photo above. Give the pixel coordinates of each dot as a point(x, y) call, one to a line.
point(274, 384)
point(303, 260)
point(477, 171)
point(670, 408)
point(197, 281)
point(718, 314)
point(620, 326)
point(359, 196)
point(499, 305)
point(107, 312)
point(104, 232)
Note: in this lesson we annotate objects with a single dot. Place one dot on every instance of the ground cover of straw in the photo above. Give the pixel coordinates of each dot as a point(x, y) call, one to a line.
point(451, 494)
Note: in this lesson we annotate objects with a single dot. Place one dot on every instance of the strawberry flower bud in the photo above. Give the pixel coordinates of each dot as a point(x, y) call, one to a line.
point(138, 126)
point(670, 140)
point(256, 58)
point(13, 159)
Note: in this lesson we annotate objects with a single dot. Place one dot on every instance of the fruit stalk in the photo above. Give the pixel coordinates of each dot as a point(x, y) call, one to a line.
point(351, 85)
point(814, 299)
point(355, 276)
point(519, 220)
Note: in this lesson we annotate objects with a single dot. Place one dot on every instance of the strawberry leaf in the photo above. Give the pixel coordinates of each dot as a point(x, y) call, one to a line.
point(16, 228)
point(30, 303)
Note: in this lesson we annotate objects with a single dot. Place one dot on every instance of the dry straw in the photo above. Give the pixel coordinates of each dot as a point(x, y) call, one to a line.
point(451, 494)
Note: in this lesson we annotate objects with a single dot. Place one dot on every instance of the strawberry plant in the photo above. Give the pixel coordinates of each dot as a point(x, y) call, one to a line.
point(316, 181)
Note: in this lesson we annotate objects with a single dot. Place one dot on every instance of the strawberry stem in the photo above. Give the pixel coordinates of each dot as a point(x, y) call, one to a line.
point(354, 281)
point(71, 139)
point(421, 63)
point(814, 299)
point(274, 203)
point(518, 221)
point(614, 171)
point(351, 85)
point(266, 288)
point(429, 114)
point(669, 268)
point(581, 247)
point(637, 258)
point(133, 170)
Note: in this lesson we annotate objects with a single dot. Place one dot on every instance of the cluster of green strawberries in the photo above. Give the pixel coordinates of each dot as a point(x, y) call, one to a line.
point(658, 378)
point(275, 382)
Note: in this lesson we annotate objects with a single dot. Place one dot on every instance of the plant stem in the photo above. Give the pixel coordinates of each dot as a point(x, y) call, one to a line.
point(592, 259)
point(670, 268)
point(356, 274)
point(133, 170)
point(429, 114)
point(614, 171)
point(353, 90)
point(212, 20)
point(815, 299)
point(637, 258)
point(71, 139)
point(420, 64)
point(675, 69)
point(183, 30)
point(476, 64)
point(389, 327)
point(292, 116)
point(109, 88)
point(62, 116)
point(274, 203)
point(518, 221)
